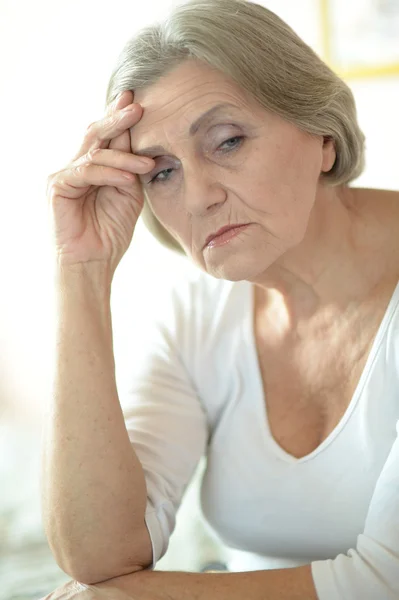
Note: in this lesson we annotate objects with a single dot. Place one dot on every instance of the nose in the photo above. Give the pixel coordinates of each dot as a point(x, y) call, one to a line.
point(203, 191)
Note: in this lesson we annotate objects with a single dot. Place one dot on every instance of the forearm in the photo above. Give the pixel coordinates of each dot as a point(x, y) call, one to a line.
point(93, 486)
point(281, 584)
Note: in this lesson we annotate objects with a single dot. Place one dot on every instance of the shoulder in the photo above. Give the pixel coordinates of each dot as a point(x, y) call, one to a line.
point(199, 319)
point(378, 211)
point(380, 206)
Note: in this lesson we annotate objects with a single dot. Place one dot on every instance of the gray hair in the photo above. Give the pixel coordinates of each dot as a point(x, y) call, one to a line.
point(265, 57)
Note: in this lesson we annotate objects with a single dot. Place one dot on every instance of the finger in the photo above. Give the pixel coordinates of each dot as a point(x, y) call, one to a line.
point(115, 122)
point(73, 182)
point(122, 142)
point(121, 101)
point(117, 159)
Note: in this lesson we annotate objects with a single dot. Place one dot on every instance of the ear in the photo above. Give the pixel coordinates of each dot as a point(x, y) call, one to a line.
point(329, 154)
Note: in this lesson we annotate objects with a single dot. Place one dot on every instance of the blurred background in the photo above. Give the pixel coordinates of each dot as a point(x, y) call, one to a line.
point(56, 61)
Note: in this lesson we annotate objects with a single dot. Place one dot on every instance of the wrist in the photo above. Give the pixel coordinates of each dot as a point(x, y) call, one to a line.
point(95, 276)
point(83, 296)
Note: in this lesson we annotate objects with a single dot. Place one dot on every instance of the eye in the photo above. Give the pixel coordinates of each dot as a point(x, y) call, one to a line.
point(238, 139)
point(156, 178)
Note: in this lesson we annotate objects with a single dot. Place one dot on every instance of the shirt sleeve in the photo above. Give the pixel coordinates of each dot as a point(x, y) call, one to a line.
point(165, 420)
point(371, 570)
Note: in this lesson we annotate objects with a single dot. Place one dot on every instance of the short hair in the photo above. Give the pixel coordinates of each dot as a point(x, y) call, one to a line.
point(265, 57)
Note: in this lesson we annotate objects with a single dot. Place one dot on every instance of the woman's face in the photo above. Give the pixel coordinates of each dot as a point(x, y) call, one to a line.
point(240, 165)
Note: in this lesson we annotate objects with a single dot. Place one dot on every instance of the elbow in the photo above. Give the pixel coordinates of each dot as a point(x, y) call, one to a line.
point(90, 572)
point(93, 575)
point(92, 565)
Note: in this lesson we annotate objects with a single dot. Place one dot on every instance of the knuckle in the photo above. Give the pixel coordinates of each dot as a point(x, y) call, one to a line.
point(81, 169)
point(117, 118)
point(104, 127)
point(91, 154)
point(112, 107)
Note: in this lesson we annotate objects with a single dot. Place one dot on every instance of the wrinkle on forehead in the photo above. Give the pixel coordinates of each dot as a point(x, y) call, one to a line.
point(175, 101)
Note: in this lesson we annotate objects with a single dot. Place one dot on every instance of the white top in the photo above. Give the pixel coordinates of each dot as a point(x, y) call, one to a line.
point(198, 390)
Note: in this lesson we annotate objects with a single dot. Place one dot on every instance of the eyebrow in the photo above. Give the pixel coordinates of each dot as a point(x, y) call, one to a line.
point(194, 127)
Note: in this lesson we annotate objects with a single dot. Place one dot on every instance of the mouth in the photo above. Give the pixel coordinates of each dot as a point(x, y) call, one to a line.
point(224, 235)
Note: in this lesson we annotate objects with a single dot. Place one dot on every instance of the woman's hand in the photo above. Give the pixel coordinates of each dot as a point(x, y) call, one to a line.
point(97, 198)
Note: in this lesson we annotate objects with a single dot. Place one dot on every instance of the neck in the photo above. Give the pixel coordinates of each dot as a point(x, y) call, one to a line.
point(330, 269)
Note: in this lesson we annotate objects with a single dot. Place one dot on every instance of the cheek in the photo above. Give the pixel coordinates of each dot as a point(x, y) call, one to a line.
point(286, 186)
point(170, 216)
point(290, 171)
point(160, 209)
point(298, 159)
point(304, 158)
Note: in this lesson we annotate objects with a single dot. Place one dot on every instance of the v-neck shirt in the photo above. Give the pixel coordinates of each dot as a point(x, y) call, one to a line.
point(196, 390)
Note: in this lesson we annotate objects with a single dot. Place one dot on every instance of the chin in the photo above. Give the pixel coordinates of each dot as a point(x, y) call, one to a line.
point(246, 258)
point(237, 268)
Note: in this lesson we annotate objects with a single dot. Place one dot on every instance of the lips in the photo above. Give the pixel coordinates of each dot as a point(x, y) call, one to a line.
point(223, 230)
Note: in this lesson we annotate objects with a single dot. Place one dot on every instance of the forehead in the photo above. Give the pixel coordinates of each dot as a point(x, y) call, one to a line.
point(174, 102)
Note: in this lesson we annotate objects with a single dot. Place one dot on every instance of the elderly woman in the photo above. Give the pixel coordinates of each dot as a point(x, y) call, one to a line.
point(279, 361)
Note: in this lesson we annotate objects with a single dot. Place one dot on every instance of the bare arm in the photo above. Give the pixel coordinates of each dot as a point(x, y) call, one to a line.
point(93, 486)
point(281, 584)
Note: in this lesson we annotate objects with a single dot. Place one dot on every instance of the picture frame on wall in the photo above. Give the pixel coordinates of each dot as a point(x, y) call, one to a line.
point(361, 37)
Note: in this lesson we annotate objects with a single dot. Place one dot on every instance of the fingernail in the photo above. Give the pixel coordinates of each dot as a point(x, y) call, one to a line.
point(129, 108)
point(146, 162)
